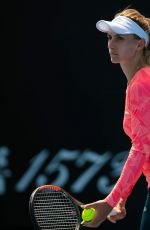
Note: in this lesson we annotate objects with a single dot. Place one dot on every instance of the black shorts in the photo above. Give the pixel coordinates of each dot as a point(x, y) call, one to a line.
point(145, 221)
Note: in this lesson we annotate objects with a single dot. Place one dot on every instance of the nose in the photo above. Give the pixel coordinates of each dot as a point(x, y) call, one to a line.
point(110, 44)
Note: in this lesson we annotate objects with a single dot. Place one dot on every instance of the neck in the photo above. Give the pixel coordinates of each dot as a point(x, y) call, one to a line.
point(130, 69)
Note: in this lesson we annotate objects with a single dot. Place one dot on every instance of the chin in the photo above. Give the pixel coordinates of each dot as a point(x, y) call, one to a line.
point(115, 59)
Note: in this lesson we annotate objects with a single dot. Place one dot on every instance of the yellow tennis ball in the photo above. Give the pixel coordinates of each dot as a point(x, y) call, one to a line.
point(88, 214)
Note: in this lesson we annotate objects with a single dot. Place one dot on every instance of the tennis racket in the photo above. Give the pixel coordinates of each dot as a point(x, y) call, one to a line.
point(51, 207)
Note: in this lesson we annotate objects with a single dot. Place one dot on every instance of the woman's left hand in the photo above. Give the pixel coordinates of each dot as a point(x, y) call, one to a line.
point(102, 210)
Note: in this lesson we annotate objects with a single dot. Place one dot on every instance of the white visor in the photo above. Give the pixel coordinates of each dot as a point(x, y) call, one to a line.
point(122, 25)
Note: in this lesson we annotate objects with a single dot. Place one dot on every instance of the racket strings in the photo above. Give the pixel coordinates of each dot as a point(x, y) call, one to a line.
point(53, 210)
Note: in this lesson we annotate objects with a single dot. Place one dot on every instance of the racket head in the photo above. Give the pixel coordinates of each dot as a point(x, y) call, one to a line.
point(51, 207)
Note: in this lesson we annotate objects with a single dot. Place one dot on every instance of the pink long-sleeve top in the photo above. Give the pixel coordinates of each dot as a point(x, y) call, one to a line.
point(137, 126)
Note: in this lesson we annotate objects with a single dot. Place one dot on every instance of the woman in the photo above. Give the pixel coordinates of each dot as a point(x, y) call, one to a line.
point(129, 45)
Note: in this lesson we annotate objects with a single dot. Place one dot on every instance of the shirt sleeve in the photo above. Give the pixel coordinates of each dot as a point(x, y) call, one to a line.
point(140, 118)
point(139, 108)
point(131, 172)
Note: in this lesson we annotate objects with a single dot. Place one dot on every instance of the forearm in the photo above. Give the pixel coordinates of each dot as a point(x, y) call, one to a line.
point(129, 176)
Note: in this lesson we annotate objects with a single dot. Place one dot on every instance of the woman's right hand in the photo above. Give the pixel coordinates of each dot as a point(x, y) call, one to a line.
point(119, 210)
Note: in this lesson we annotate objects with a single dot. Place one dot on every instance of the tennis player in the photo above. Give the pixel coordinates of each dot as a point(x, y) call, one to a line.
point(129, 45)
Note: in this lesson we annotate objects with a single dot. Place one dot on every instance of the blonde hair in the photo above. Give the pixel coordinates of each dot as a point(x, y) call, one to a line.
point(143, 22)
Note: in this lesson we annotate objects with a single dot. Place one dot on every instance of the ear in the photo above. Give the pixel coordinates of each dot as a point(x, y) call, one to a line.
point(141, 44)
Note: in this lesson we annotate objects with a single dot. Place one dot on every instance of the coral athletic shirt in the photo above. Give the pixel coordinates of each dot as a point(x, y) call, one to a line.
point(137, 126)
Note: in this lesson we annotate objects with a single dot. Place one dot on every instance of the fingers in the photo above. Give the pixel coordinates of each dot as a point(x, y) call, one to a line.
point(90, 223)
point(84, 206)
point(121, 203)
point(114, 212)
point(102, 210)
point(93, 224)
point(112, 219)
point(116, 217)
point(112, 215)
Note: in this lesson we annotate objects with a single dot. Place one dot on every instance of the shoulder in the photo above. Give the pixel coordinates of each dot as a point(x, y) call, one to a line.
point(144, 74)
point(139, 89)
point(141, 81)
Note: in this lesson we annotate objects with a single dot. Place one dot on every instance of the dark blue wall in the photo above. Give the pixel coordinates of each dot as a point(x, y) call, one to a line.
point(62, 107)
